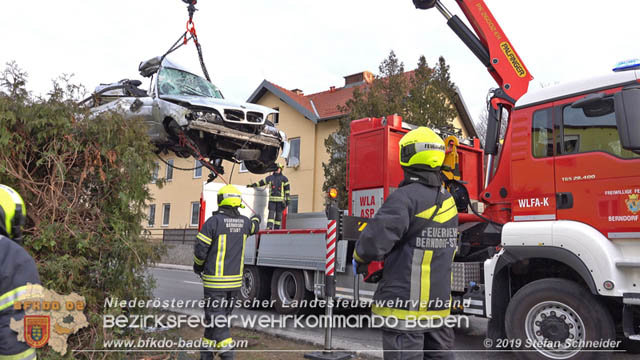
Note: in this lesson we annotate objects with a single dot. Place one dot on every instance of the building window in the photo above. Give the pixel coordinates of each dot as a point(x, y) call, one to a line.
point(243, 168)
point(592, 128)
point(169, 176)
point(542, 139)
point(294, 153)
point(166, 214)
point(293, 205)
point(276, 117)
point(152, 215)
point(197, 172)
point(156, 170)
point(195, 213)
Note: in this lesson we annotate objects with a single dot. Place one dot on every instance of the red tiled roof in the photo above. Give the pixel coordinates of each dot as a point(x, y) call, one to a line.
point(325, 105)
point(327, 102)
point(300, 99)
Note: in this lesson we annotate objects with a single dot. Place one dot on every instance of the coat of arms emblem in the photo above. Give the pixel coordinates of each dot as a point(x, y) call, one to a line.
point(633, 203)
point(36, 330)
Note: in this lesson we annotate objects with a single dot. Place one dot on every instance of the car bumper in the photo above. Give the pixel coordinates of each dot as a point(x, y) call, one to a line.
point(222, 130)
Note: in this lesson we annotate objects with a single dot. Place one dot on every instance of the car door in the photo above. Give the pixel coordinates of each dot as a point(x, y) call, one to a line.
point(597, 181)
point(532, 168)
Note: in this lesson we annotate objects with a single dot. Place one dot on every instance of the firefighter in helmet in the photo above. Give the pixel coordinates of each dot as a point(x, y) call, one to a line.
point(219, 261)
point(279, 196)
point(17, 268)
point(415, 233)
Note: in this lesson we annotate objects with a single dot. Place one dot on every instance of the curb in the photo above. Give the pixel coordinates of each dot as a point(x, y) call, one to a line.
point(338, 344)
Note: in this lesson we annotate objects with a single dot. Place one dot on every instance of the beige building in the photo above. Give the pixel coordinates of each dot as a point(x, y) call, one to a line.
point(306, 119)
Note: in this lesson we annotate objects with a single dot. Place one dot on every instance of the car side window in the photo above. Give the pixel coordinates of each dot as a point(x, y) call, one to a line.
point(592, 128)
point(542, 133)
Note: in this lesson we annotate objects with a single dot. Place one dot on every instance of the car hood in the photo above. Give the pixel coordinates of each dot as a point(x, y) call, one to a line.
point(202, 101)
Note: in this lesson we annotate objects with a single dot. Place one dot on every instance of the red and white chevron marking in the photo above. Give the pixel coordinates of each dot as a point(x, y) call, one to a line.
point(331, 248)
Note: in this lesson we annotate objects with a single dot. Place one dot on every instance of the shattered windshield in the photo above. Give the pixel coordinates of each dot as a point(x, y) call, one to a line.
point(178, 82)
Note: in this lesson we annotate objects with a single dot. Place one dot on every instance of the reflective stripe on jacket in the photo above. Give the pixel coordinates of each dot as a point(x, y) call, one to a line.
point(279, 189)
point(417, 240)
point(220, 248)
point(17, 268)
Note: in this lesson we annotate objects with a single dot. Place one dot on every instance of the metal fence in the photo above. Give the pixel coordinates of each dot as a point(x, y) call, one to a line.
point(172, 236)
point(183, 236)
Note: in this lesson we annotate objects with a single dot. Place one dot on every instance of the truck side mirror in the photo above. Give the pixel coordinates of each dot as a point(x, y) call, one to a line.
point(627, 106)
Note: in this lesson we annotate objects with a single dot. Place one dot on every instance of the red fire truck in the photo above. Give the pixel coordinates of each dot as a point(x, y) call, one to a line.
point(549, 237)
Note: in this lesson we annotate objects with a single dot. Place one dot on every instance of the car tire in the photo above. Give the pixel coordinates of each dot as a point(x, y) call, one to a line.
point(555, 310)
point(256, 285)
point(287, 289)
point(266, 163)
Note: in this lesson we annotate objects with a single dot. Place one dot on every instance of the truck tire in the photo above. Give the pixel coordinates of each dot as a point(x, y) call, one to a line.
point(256, 285)
point(287, 288)
point(556, 310)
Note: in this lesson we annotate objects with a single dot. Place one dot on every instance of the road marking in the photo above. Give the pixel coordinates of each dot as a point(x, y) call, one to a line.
point(192, 282)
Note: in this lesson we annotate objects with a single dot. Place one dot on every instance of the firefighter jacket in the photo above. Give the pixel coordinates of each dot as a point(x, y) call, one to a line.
point(278, 187)
point(17, 268)
point(415, 233)
point(219, 249)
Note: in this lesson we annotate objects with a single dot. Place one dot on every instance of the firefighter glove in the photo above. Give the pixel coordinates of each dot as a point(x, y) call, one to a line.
point(198, 269)
point(358, 267)
point(251, 185)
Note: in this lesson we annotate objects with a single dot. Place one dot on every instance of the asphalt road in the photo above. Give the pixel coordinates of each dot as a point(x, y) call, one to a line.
point(184, 285)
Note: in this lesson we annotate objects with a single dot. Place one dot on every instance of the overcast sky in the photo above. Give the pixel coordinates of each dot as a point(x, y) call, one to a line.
point(307, 44)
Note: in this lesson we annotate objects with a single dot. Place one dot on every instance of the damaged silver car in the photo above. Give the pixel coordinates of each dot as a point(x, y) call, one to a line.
point(188, 115)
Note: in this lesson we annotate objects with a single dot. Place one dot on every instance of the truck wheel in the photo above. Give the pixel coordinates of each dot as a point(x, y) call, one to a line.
point(288, 291)
point(255, 285)
point(546, 314)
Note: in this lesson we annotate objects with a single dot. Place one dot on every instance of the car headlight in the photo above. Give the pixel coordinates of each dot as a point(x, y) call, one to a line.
point(210, 117)
point(271, 130)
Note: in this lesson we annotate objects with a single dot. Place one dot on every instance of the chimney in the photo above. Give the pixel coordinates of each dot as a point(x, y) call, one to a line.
point(332, 89)
point(298, 91)
point(358, 79)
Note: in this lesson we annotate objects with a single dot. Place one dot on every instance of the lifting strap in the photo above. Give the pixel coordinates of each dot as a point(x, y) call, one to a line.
point(188, 35)
point(183, 40)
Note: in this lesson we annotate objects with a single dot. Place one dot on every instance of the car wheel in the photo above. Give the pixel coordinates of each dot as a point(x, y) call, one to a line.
point(266, 162)
point(256, 285)
point(546, 315)
point(258, 167)
point(288, 291)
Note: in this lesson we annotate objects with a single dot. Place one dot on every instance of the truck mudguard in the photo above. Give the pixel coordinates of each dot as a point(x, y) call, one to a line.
point(514, 254)
point(603, 258)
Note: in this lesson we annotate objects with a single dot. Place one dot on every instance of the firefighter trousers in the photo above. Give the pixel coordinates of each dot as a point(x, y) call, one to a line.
point(399, 345)
point(217, 336)
point(275, 214)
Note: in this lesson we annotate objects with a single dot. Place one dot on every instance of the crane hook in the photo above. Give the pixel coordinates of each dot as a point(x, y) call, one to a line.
point(191, 8)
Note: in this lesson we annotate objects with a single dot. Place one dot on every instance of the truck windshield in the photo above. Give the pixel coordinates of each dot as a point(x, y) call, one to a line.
point(178, 82)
